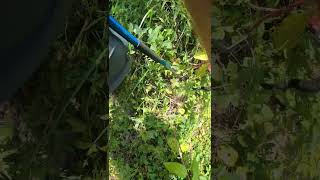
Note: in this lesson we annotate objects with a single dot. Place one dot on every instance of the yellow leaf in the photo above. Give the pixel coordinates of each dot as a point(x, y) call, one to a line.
point(181, 111)
point(201, 55)
point(184, 147)
point(168, 91)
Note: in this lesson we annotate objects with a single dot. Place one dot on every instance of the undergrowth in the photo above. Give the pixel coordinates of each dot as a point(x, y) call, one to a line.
point(160, 122)
point(264, 131)
point(60, 113)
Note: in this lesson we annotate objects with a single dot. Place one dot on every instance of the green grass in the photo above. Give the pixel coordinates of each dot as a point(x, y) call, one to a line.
point(156, 117)
point(153, 105)
point(60, 130)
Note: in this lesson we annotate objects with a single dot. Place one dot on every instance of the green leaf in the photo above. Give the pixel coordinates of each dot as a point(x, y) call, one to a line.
point(232, 70)
point(267, 112)
point(288, 33)
point(7, 153)
point(241, 141)
point(6, 132)
point(224, 100)
point(268, 128)
point(173, 144)
point(202, 70)
point(92, 149)
point(260, 31)
point(76, 125)
point(291, 99)
point(217, 73)
point(219, 34)
point(6, 128)
point(177, 169)
point(252, 157)
point(229, 176)
point(104, 148)
point(167, 45)
point(228, 29)
point(195, 168)
point(228, 155)
point(242, 172)
point(82, 145)
point(4, 166)
point(203, 178)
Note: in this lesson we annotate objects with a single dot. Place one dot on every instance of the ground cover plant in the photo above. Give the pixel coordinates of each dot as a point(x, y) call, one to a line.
point(55, 126)
point(266, 83)
point(160, 121)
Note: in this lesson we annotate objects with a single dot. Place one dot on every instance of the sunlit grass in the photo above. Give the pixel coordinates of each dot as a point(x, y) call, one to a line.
point(153, 104)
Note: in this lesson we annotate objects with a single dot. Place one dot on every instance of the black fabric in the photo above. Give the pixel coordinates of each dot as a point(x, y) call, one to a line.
point(20, 20)
point(27, 30)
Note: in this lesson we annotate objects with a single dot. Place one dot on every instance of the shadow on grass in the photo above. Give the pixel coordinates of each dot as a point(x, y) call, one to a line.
point(138, 142)
point(62, 106)
point(58, 147)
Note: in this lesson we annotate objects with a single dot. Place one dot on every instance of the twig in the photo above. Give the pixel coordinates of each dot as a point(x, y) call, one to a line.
point(220, 63)
point(264, 18)
point(140, 80)
point(220, 87)
point(66, 104)
point(275, 13)
point(212, 88)
point(235, 58)
point(78, 39)
point(255, 7)
point(145, 16)
point(237, 43)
